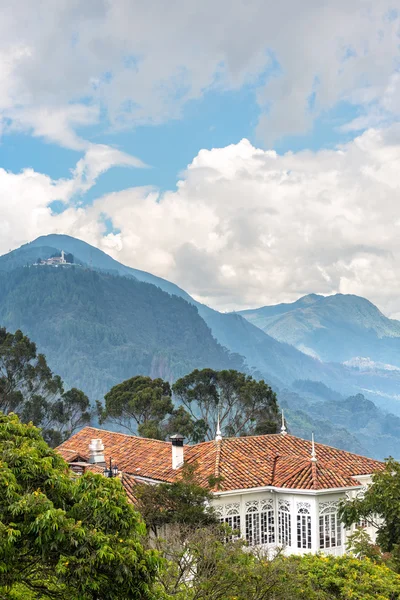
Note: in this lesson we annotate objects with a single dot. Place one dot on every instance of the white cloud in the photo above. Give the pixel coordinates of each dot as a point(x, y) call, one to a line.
point(245, 227)
point(248, 227)
point(141, 63)
point(26, 198)
point(55, 124)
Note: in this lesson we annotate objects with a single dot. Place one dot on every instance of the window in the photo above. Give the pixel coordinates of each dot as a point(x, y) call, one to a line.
point(267, 524)
point(253, 526)
point(330, 527)
point(284, 523)
point(303, 525)
point(232, 519)
point(260, 522)
point(230, 515)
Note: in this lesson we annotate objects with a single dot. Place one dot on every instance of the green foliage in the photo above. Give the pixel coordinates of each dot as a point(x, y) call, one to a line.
point(184, 502)
point(360, 544)
point(208, 567)
point(243, 405)
point(98, 329)
point(64, 537)
point(140, 405)
point(380, 506)
point(342, 578)
point(28, 387)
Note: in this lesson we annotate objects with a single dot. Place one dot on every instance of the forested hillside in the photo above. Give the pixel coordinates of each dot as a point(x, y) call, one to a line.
point(99, 329)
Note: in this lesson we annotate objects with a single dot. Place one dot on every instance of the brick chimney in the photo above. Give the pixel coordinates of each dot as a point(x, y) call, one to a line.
point(96, 452)
point(177, 450)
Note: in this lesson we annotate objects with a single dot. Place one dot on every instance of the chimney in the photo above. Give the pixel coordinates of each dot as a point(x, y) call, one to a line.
point(177, 450)
point(96, 452)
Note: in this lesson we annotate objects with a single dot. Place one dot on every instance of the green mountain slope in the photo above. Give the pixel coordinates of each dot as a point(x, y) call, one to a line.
point(274, 361)
point(279, 363)
point(98, 329)
point(334, 328)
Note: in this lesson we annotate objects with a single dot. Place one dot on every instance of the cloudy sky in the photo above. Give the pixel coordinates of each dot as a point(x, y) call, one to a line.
point(247, 150)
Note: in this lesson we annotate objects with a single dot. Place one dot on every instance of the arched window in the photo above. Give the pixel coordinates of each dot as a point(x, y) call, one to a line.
point(267, 522)
point(260, 522)
point(304, 525)
point(230, 515)
point(330, 527)
point(284, 523)
point(252, 525)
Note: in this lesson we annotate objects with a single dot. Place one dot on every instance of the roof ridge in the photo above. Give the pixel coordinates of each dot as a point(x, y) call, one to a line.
point(314, 474)
point(227, 439)
point(129, 435)
point(218, 445)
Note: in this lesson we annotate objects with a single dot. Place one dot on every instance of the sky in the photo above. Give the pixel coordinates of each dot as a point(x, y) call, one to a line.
point(247, 150)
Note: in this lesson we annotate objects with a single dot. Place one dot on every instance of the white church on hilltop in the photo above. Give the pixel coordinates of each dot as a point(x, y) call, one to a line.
point(278, 490)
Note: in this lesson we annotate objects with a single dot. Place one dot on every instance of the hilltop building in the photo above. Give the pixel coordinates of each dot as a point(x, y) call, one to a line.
point(278, 490)
point(55, 261)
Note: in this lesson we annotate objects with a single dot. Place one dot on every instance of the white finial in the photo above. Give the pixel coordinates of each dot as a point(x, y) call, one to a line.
point(218, 435)
point(283, 428)
point(313, 455)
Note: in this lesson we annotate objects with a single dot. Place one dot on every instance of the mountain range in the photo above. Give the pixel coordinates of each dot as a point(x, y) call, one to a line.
point(100, 322)
point(338, 328)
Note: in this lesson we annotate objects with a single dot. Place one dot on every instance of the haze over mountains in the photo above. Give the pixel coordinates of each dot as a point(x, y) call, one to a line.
point(102, 322)
point(335, 328)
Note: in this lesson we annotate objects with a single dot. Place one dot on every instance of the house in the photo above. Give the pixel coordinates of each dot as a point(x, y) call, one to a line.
point(278, 490)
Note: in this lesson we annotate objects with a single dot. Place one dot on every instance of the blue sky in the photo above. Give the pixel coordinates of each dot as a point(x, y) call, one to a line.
point(216, 120)
point(248, 156)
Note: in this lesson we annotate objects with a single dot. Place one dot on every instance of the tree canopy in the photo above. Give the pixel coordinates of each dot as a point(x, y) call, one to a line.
point(145, 406)
point(140, 405)
point(29, 388)
point(61, 536)
point(185, 502)
point(243, 405)
point(380, 506)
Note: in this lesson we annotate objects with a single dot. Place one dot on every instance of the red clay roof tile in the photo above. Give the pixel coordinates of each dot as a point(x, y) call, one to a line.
point(257, 461)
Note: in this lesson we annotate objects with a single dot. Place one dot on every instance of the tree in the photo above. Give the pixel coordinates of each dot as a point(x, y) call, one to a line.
point(184, 502)
point(341, 578)
point(140, 405)
point(243, 405)
point(63, 536)
point(29, 388)
point(380, 506)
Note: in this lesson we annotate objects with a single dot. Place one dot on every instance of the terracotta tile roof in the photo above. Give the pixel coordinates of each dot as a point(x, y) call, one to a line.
point(130, 482)
point(241, 463)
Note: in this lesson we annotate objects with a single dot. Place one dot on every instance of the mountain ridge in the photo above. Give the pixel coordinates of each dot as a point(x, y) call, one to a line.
point(334, 328)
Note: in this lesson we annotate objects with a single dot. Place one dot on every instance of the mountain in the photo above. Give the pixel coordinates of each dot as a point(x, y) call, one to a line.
point(339, 328)
point(354, 423)
point(98, 329)
point(275, 361)
point(278, 362)
point(100, 322)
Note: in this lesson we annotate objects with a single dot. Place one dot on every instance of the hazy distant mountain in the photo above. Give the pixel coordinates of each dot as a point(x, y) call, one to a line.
point(337, 328)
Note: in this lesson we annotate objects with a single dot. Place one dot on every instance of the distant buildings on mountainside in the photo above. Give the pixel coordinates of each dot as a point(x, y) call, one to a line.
point(56, 261)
